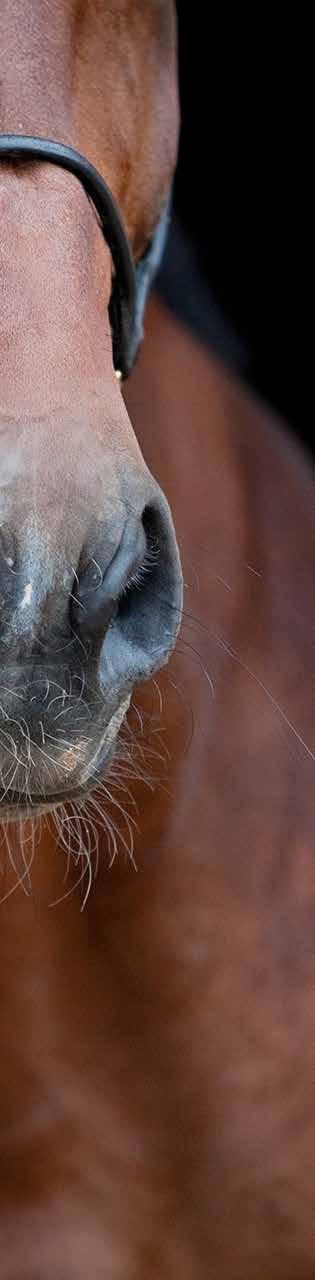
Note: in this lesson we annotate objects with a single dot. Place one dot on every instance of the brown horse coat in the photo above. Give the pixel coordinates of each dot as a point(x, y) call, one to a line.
point(157, 1059)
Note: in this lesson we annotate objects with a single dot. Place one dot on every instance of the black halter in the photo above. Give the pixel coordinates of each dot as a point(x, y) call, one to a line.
point(131, 281)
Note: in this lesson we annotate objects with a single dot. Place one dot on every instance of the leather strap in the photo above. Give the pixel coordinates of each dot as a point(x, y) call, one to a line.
point(122, 307)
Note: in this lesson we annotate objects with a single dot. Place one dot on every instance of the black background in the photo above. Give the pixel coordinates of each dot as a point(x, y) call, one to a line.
point(243, 188)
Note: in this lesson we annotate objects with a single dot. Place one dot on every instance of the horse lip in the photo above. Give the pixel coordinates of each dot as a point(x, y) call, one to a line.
point(96, 767)
point(13, 798)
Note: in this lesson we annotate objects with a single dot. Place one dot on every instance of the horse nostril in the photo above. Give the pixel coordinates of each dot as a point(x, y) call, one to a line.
point(97, 594)
point(132, 612)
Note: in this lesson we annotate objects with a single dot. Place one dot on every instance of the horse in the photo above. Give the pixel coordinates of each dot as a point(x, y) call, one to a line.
point(156, 930)
point(82, 520)
point(88, 553)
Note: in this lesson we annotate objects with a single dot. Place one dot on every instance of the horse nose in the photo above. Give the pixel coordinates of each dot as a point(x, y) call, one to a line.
point(73, 644)
point(123, 601)
point(128, 616)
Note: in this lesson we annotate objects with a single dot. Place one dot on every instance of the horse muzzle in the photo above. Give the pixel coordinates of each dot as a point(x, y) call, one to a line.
point(72, 647)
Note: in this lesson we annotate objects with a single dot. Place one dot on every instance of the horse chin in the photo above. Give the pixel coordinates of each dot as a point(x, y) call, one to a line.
point(87, 779)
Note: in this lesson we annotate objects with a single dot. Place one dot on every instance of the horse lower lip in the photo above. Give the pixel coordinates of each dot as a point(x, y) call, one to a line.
point(29, 806)
point(14, 800)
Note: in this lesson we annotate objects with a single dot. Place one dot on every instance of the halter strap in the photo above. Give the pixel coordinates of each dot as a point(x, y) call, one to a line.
point(123, 302)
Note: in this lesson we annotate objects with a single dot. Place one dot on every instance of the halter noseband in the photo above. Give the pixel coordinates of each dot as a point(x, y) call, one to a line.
point(131, 281)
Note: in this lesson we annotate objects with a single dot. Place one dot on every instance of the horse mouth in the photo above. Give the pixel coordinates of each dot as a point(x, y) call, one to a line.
point(17, 804)
point(36, 803)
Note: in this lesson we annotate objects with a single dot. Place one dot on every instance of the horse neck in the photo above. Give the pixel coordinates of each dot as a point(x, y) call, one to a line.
point(242, 497)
